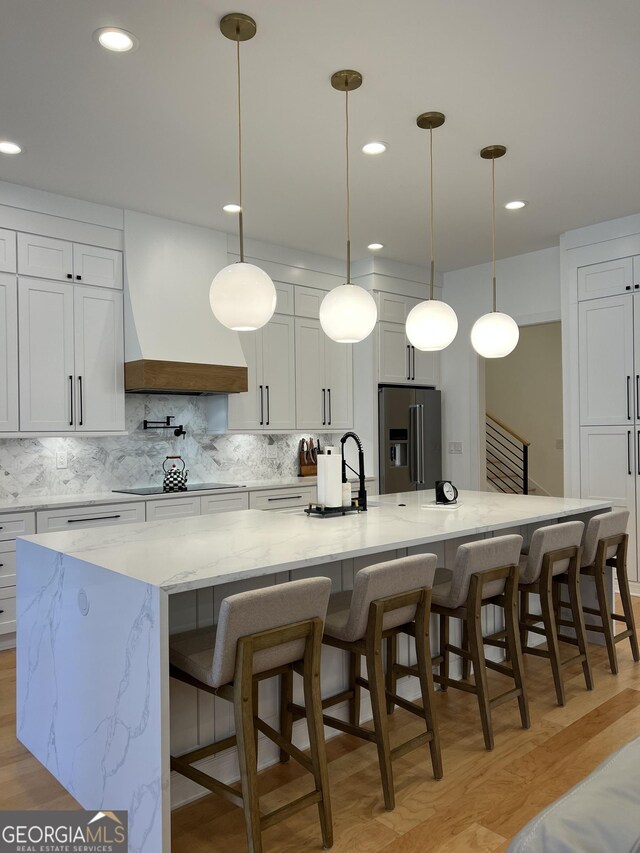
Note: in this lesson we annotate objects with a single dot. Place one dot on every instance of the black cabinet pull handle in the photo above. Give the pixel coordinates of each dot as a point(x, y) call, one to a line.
point(408, 361)
point(268, 405)
point(628, 287)
point(329, 396)
point(1, 565)
point(628, 398)
point(94, 518)
point(80, 397)
point(1, 611)
point(413, 353)
point(261, 407)
point(287, 498)
point(629, 452)
point(637, 396)
point(69, 275)
point(71, 401)
point(324, 407)
point(79, 277)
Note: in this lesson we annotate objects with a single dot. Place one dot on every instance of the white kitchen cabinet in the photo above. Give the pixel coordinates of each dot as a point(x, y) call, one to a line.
point(103, 515)
point(284, 297)
point(269, 403)
point(7, 250)
point(100, 267)
point(45, 312)
point(60, 260)
point(308, 301)
point(229, 502)
point(393, 307)
point(71, 357)
point(400, 363)
point(324, 379)
point(99, 360)
point(11, 525)
point(609, 278)
point(279, 499)
point(8, 353)
point(169, 508)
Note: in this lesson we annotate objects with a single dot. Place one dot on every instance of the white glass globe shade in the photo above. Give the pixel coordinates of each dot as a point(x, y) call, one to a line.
point(432, 325)
point(348, 314)
point(495, 335)
point(242, 297)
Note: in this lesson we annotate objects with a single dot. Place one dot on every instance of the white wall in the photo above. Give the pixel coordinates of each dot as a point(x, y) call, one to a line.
point(529, 290)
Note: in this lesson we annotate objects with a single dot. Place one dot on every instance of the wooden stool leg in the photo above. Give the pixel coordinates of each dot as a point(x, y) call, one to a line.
point(313, 703)
point(425, 673)
point(551, 632)
point(524, 612)
point(256, 703)
point(444, 652)
point(575, 601)
point(286, 715)
point(379, 706)
point(466, 663)
point(354, 687)
point(513, 641)
point(243, 712)
point(605, 615)
point(390, 677)
point(476, 647)
point(627, 607)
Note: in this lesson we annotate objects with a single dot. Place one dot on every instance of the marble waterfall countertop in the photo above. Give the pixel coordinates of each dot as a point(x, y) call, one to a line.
point(204, 551)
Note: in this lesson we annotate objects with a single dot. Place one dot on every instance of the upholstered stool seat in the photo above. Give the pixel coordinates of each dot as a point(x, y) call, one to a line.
point(387, 599)
point(260, 634)
point(485, 572)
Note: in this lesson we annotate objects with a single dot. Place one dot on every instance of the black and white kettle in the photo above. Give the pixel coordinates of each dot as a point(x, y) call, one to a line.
point(175, 479)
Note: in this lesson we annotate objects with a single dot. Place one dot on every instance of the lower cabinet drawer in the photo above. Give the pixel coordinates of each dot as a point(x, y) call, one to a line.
point(282, 498)
point(106, 515)
point(167, 508)
point(8, 610)
point(7, 564)
point(17, 524)
point(223, 503)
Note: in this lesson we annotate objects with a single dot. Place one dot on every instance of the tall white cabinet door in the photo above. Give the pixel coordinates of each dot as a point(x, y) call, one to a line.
point(101, 267)
point(8, 353)
point(7, 250)
point(245, 411)
point(45, 257)
point(279, 372)
point(311, 409)
point(45, 315)
point(99, 366)
point(338, 361)
point(425, 367)
point(636, 338)
point(607, 374)
point(393, 354)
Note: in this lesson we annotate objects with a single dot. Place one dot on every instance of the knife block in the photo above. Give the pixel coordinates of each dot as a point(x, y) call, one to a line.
point(306, 469)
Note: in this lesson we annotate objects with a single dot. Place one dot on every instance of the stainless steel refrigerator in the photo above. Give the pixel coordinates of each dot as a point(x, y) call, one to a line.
point(410, 451)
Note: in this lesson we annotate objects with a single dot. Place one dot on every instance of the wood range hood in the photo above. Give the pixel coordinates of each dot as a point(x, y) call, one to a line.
point(153, 376)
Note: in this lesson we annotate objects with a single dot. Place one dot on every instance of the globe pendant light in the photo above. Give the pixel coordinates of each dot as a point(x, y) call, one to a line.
point(348, 313)
point(432, 324)
point(242, 296)
point(496, 334)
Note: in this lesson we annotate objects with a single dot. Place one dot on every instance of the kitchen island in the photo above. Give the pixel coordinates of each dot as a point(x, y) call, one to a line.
point(95, 609)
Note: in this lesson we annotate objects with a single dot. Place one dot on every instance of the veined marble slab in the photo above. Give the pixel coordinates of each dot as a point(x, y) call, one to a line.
point(204, 551)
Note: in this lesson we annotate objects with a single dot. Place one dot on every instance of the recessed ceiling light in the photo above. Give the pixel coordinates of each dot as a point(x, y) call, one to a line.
point(232, 208)
point(8, 147)
point(113, 38)
point(515, 205)
point(375, 247)
point(375, 147)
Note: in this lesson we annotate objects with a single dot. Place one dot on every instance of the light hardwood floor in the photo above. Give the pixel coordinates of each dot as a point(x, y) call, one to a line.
point(483, 800)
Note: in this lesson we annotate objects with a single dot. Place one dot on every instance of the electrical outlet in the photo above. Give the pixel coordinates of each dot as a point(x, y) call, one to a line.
point(272, 452)
point(455, 447)
point(61, 458)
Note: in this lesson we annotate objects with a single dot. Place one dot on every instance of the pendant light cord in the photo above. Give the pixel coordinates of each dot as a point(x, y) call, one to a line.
point(346, 103)
point(241, 211)
point(493, 226)
point(431, 210)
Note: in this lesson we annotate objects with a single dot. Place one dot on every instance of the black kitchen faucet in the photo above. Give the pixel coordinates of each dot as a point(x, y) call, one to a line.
point(362, 492)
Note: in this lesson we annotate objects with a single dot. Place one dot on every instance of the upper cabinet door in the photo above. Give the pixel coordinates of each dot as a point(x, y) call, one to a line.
point(606, 279)
point(246, 410)
point(45, 257)
point(425, 367)
point(99, 360)
point(607, 377)
point(338, 360)
point(311, 393)
point(394, 308)
point(279, 373)
point(7, 250)
point(394, 361)
point(8, 353)
point(45, 315)
point(102, 267)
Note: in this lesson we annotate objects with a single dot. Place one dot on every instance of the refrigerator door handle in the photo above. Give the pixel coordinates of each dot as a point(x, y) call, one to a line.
point(420, 443)
point(413, 445)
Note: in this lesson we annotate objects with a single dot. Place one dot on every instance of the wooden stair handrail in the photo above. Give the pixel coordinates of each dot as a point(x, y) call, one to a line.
point(508, 429)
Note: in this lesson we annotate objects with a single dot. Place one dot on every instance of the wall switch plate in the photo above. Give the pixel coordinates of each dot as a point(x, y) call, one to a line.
point(272, 452)
point(61, 458)
point(455, 447)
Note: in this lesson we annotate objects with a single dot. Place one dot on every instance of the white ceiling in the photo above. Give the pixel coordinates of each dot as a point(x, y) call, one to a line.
point(554, 80)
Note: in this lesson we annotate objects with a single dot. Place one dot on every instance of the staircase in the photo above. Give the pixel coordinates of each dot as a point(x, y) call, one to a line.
point(507, 458)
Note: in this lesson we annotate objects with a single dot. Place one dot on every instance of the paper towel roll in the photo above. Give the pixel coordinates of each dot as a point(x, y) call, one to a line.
point(330, 477)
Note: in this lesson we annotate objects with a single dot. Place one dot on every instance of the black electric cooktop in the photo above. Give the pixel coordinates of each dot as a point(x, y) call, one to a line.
point(191, 487)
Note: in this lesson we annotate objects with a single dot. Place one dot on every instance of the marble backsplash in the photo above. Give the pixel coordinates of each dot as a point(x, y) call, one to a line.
point(28, 465)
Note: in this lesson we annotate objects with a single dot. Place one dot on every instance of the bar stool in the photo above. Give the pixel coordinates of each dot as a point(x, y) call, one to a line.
point(554, 551)
point(605, 544)
point(286, 628)
point(386, 599)
point(485, 572)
